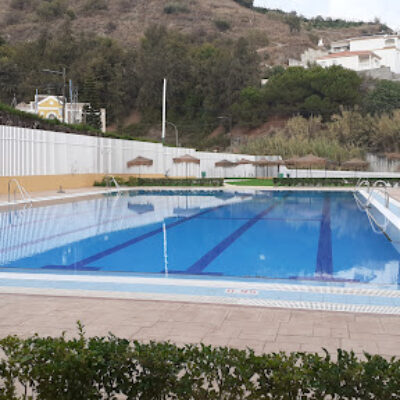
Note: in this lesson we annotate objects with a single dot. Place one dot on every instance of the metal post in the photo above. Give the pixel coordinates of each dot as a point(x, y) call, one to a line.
point(64, 74)
point(164, 110)
point(176, 133)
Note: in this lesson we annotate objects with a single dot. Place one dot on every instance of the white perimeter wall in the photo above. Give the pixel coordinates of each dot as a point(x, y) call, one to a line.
point(27, 152)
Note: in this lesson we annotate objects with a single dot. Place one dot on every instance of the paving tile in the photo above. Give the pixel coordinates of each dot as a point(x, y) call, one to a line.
point(243, 314)
point(242, 344)
point(296, 328)
point(365, 327)
point(359, 346)
point(271, 315)
point(275, 347)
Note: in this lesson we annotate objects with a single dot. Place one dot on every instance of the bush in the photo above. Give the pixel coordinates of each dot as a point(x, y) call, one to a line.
point(176, 8)
point(222, 25)
point(328, 181)
point(48, 10)
point(20, 4)
point(110, 367)
point(134, 181)
point(95, 5)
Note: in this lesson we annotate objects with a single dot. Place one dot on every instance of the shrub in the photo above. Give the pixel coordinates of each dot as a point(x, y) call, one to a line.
point(176, 8)
point(95, 5)
point(222, 25)
point(20, 4)
point(48, 10)
point(110, 368)
point(136, 181)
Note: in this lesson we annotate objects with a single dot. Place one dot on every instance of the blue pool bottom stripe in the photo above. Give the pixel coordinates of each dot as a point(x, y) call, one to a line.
point(324, 256)
point(199, 266)
point(78, 265)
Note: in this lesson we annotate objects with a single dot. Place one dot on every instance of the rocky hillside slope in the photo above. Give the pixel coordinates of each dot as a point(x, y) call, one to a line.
point(126, 20)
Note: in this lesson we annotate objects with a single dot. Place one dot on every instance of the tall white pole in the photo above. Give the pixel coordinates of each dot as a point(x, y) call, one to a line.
point(164, 110)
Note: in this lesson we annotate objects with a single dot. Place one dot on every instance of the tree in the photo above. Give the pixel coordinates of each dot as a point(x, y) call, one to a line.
point(92, 109)
point(385, 98)
point(293, 21)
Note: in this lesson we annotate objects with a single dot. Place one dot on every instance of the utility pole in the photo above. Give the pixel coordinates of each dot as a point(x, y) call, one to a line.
point(229, 119)
point(63, 73)
point(164, 111)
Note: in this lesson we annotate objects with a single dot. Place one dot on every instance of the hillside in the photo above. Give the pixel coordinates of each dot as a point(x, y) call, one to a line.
point(126, 21)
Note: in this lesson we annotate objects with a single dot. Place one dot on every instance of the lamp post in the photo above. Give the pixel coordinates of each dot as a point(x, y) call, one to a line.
point(229, 119)
point(63, 73)
point(176, 133)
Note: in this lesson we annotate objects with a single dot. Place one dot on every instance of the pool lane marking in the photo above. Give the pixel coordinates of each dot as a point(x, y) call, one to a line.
point(137, 239)
point(199, 266)
point(324, 256)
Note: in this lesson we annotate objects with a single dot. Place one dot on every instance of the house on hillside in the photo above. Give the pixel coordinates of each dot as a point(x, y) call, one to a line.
point(355, 60)
point(51, 107)
point(366, 53)
point(377, 56)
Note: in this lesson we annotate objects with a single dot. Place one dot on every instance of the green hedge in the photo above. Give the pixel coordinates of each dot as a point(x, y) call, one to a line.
point(132, 181)
point(328, 181)
point(107, 367)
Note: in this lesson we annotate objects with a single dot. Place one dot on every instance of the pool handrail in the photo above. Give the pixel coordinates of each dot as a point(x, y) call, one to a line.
point(25, 196)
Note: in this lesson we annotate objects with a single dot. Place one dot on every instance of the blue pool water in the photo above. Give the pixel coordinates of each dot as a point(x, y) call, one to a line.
point(279, 235)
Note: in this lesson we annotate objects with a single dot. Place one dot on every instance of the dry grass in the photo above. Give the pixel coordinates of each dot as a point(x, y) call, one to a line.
point(132, 17)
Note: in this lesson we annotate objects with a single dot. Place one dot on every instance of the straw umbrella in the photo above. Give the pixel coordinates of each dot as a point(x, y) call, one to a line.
point(225, 164)
point(268, 163)
point(355, 164)
point(392, 156)
point(244, 161)
point(311, 161)
point(186, 159)
point(139, 162)
point(291, 162)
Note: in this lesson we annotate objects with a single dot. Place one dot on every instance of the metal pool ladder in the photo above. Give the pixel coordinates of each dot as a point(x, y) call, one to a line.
point(25, 196)
point(377, 186)
point(111, 179)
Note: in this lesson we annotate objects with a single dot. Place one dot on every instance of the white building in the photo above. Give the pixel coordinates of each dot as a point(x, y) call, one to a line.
point(365, 53)
point(51, 107)
point(355, 60)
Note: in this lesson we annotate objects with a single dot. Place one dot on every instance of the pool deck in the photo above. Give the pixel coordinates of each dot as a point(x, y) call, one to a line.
point(263, 329)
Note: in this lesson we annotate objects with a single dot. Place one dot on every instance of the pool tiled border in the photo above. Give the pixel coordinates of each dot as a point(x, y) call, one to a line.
point(276, 295)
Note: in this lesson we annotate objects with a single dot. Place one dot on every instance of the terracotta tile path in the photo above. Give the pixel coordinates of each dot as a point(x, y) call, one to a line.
point(264, 330)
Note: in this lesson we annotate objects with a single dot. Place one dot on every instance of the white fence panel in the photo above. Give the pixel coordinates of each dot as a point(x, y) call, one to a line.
point(27, 152)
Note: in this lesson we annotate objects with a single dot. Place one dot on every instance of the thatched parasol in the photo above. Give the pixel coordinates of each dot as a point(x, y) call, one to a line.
point(268, 163)
point(311, 161)
point(225, 164)
point(307, 161)
point(244, 161)
point(291, 162)
point(186, 159)
point(355, 164)
point(392, 156)
point(139, 162)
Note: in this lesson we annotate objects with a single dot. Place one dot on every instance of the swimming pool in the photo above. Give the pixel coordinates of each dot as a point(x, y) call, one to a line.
point(313, 239)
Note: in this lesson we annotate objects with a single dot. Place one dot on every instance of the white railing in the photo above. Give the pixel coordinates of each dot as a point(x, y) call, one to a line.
point(111, 179)
point(25, 196)
point(382, 187)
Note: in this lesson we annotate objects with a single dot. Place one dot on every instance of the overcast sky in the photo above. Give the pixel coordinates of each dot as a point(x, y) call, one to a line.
point(387, 11)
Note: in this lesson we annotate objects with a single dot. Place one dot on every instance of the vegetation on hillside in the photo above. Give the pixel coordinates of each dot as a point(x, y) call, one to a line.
point(313, 91)
point(204, 78)
point(293, 19)
point(348, 134)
